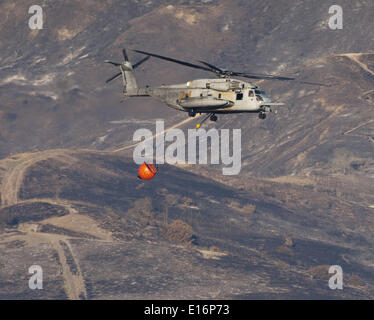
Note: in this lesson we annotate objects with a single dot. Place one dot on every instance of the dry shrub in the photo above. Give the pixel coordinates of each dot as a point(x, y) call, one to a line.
point(320, 272)
point(285, 250)
point(141, 212)
point(214, 249)
point(179, 232)
point(282, 265)
point(234, 204)
point(187, 201)
point(288, 242)
point(356, 281)
point(249, 208)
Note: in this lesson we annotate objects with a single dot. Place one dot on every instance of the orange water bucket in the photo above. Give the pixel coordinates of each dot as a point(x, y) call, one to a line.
point(147, 171)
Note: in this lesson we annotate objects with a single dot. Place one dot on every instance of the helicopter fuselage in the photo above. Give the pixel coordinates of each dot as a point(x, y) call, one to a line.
point(223, 95)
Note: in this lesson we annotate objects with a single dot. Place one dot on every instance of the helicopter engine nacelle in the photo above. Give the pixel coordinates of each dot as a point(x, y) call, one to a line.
point(219, 86)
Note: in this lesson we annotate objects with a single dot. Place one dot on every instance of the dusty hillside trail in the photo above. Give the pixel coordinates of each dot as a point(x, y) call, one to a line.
point(15, 167)
point(31, 234)
point(73, 280)
point(355, 57)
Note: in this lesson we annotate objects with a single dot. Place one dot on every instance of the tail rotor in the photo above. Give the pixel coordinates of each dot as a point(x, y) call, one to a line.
point(124, 66)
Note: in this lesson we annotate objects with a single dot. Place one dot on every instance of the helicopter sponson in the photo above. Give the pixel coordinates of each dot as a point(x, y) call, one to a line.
point(205, 103)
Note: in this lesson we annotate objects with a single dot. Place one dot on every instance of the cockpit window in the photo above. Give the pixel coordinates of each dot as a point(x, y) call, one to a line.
point(260, 92)
point(250, 94)
point(259, 98)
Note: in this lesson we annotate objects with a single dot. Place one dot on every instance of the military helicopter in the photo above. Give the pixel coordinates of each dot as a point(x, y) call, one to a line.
point(222, 95)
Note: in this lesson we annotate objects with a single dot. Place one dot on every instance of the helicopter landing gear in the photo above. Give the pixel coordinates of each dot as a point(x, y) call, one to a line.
point(262, 115)
point(191, 113)
point(213, 118)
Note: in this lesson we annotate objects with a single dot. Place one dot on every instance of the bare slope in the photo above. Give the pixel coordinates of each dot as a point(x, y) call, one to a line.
point(106, 232)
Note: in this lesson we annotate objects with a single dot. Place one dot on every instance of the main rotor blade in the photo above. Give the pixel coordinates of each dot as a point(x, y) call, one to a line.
point(211, 66)
point(140, 62)
point(216, 70)
point(113, 63)
point(191, 65)
point(125, 55)
point(114, 77)
point(273, 77)
point(262, 76)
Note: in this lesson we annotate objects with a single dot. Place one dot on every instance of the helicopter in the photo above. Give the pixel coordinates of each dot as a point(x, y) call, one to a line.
point(221, 95)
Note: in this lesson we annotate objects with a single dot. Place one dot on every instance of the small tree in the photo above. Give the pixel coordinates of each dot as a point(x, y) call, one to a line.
point(180, 232)
point(341, 159)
